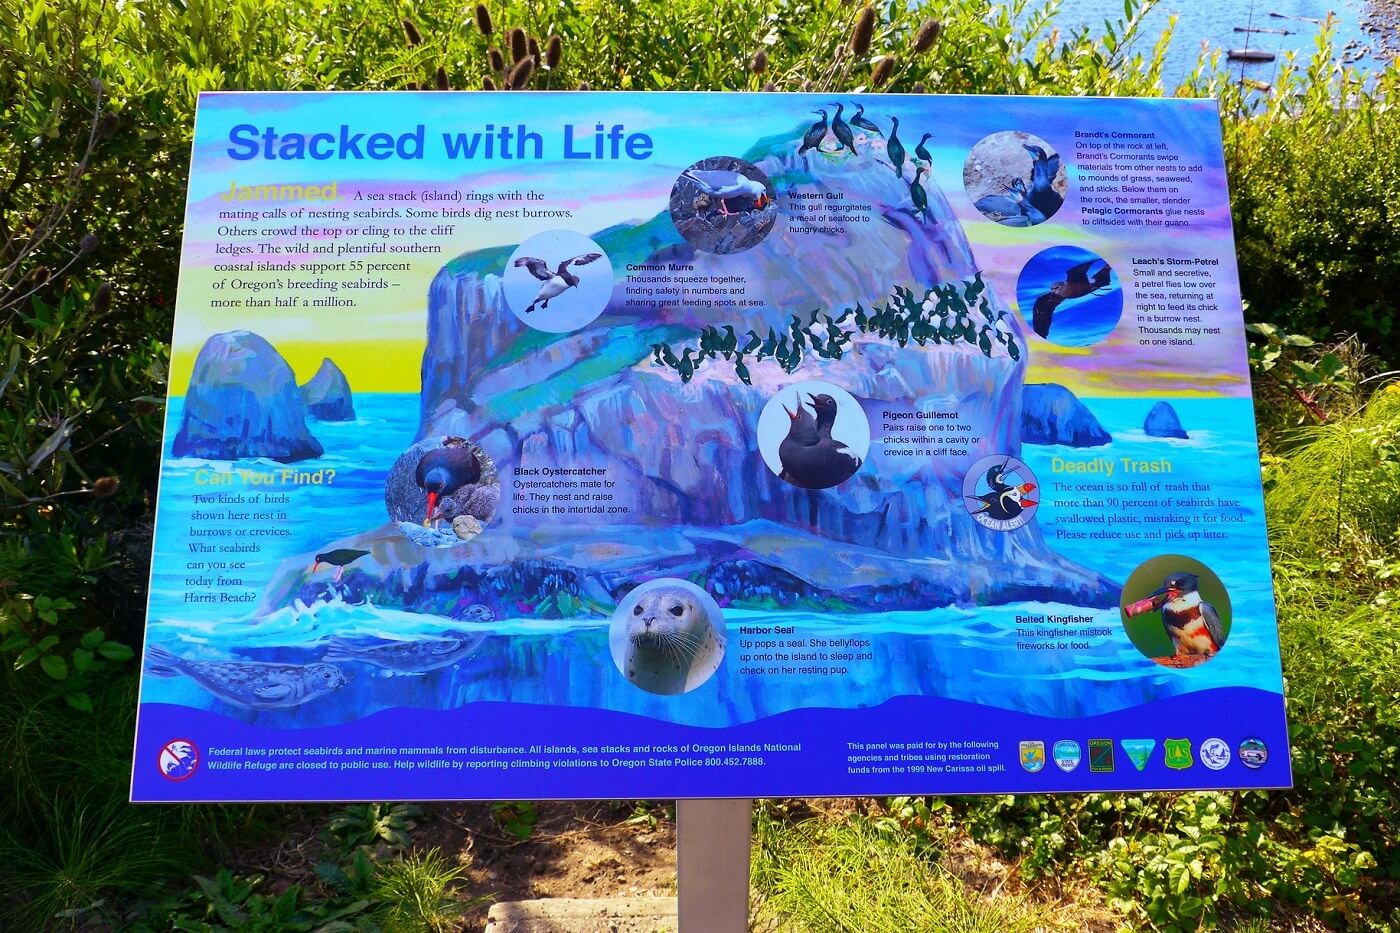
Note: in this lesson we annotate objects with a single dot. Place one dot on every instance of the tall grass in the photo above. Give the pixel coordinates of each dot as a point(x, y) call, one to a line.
point(820, 876)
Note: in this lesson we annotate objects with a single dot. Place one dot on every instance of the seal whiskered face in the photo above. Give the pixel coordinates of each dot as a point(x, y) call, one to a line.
point(668, 642)
point(664, 622)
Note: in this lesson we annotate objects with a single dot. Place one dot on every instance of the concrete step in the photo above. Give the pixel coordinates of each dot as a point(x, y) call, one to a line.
point(584, 915)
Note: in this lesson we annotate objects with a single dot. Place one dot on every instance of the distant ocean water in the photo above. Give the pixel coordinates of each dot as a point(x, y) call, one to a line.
point(1211, 23)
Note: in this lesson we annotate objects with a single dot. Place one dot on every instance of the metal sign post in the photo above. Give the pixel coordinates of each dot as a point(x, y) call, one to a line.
point(712, 865)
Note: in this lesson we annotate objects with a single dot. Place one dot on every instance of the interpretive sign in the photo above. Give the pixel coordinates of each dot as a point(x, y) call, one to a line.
point(575, 445)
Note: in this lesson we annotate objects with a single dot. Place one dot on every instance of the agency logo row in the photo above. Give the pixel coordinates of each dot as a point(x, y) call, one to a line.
point(1177, 754)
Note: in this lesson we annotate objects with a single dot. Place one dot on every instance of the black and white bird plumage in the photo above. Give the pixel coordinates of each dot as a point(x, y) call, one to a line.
point(556, 281)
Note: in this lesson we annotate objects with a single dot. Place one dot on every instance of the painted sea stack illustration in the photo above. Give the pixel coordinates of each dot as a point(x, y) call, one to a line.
point(688, 493)
point(243, 402)
point(327, 394)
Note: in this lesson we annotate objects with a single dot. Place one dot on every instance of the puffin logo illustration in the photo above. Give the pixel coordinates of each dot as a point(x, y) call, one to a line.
point(997, 493)
point(1067, 754)
point(178, 760)
point(1032, 756)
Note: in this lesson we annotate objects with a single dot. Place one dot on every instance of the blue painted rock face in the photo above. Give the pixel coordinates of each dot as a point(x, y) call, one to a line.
point(1162, 421)
point(243, 402)
point(1052, 414)
point(327, 394)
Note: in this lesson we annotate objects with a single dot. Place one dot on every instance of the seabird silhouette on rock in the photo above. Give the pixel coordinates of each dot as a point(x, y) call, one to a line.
point(812, 139)
point(921, 151)
point(895, 148)
point(842, 131)
point(724, 185)
point(1077, 283)
point(557, 282)
point(864, 122)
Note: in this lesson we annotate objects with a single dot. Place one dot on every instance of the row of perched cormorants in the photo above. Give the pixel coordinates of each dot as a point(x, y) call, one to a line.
point(941, 316)
point(894, 148)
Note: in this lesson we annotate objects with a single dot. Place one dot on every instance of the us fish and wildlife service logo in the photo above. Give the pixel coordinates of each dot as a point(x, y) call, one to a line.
point(1139, 751)
point(998, 492)
point(1177, 754)
point(178, 760)
point(1215, 754)
point(1254, 753)
point(1101, 755)
point(1032, 756)
point(1067, 754)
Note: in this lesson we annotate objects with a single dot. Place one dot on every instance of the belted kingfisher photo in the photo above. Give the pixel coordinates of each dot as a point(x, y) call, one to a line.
point(1192, 623)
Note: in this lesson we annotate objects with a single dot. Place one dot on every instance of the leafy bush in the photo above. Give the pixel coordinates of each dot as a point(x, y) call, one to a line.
point(1309, 165)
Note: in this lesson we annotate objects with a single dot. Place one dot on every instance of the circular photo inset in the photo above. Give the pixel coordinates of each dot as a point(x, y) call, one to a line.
point(813, 435)
point(1176, 611)
point(723, 205)
point(997, 493)
point(558, 281)
point(442, 491)
point(667, 636)
point(1015, 178)
point(1069, 296)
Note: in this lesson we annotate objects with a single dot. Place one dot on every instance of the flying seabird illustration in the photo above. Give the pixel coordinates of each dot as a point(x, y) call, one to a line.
point(556, 282)
point(723, 185)
point(1003, 501)
point(443, 471)
point(1192, 623)
point(1044, 168)
point(811, 458)
point(812, 139)
point(841, 131)
point(864, 122)
point(1077, 283)
point(340, 558)
point(895, 148)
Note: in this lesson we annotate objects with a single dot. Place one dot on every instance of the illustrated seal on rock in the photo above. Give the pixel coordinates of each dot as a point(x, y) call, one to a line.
point(667, 637)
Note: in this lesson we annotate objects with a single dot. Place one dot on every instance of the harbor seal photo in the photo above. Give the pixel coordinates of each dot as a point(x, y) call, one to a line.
point(667, 636)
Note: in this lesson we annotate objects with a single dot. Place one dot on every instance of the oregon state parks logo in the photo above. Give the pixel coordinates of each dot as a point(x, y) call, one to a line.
point(998, 493)
point(1067, 754)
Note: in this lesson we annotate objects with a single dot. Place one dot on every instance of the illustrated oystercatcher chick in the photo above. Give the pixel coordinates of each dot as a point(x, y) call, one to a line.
point(811, 458)
point(864, 122)
point(842, 131)
point(443, 471)
point(812, 139)
point(1003, 501)
point(340, 558)
point(1044, 168)
point(1076, 284)
point(1192, 623)
point(557, 282)
point(723, 185)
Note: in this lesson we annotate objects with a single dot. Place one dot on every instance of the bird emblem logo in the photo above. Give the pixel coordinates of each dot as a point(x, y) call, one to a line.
point(997, 492)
